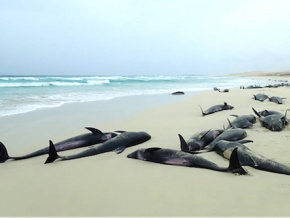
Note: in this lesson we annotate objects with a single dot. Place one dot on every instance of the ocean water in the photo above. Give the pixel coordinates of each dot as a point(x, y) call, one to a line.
point(20, 94)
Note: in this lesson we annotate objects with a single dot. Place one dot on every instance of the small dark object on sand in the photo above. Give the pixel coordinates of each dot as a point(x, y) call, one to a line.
point(178, 93)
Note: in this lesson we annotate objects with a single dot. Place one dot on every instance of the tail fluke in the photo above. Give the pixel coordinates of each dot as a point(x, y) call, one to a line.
point(3, 153)
point(52, 155)
point(235, 166)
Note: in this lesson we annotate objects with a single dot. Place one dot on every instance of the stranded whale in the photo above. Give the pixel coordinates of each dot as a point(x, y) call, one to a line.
point(180, 158)
point(117, 144)
point(94, 137)
point(216, 108)
point(249, 158)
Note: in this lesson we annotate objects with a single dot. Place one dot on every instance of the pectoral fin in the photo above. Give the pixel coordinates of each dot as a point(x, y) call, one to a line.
point(120, 149)
point(253, 161)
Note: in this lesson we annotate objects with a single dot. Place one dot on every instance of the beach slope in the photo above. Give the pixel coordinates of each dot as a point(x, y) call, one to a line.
point(113, 185)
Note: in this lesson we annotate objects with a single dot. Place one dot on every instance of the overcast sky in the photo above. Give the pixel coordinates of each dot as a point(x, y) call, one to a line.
point(149, 37)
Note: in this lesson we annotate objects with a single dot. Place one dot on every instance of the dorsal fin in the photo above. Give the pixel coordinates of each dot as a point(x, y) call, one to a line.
point(235, 166)
point(3, 153)
point(230, 123)
point(94, 130)
point(52, 154)
point(225, 103)
point(183, 144)
point(202, 111)
point(256, 112)
point(151, 150)
point(284, 118)
point(120, 131)
point(205, 134)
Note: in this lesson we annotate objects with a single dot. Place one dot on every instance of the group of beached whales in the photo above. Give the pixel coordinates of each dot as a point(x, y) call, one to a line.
point(228, 142)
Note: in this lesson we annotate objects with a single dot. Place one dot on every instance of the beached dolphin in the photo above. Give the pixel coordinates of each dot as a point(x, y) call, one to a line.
point(266, 113)
point(272, 122)
point(94, 137)
point(249, 158)
point(217, 108)
point(276, 99)
point(251, 118)
point(117, 144)
point(201, 139)
point(260, 97)
point(233, 134)
point(180, 158)
point(178, 93)
point(239, 122)
point(223, 90)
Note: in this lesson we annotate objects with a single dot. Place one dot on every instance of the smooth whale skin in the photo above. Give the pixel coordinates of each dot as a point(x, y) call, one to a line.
point(239, 123)
point(251, 118)
point(217, 108)
point(180, 158)
point(260, 97)
point(266, 113)
point(117, 144)
point(276, 99)
point(249, 158)
point(221, 90)
point(178, 93)
point(233, 134)
point(94, 137)
point(201, 139)
point(273, 122)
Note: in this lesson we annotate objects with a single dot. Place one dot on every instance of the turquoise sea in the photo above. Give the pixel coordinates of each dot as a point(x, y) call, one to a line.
point(20, 94)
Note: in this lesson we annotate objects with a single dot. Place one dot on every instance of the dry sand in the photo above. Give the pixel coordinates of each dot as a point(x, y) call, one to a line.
point(266, 74)
point(113, 185)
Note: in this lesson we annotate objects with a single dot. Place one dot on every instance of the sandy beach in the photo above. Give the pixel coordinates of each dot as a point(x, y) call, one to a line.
point(114, 185)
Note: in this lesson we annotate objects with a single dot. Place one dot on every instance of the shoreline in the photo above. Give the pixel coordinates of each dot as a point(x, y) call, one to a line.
point(103, 101)
point(94, 114)
point(113, 185)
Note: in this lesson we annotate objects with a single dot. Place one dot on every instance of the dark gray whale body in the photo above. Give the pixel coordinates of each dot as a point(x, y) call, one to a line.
point(234, 134)
point(201, 139)
point(260, 97)
point(217, 108)
point(180, 158)
point(249, 158)
point(266, 113)
point(94, 137)
point(239, 123)
point(276, 99)
point(251, 118)
point(117, 144)
point(178, 93)
point(244, 121)
point(273, 122)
